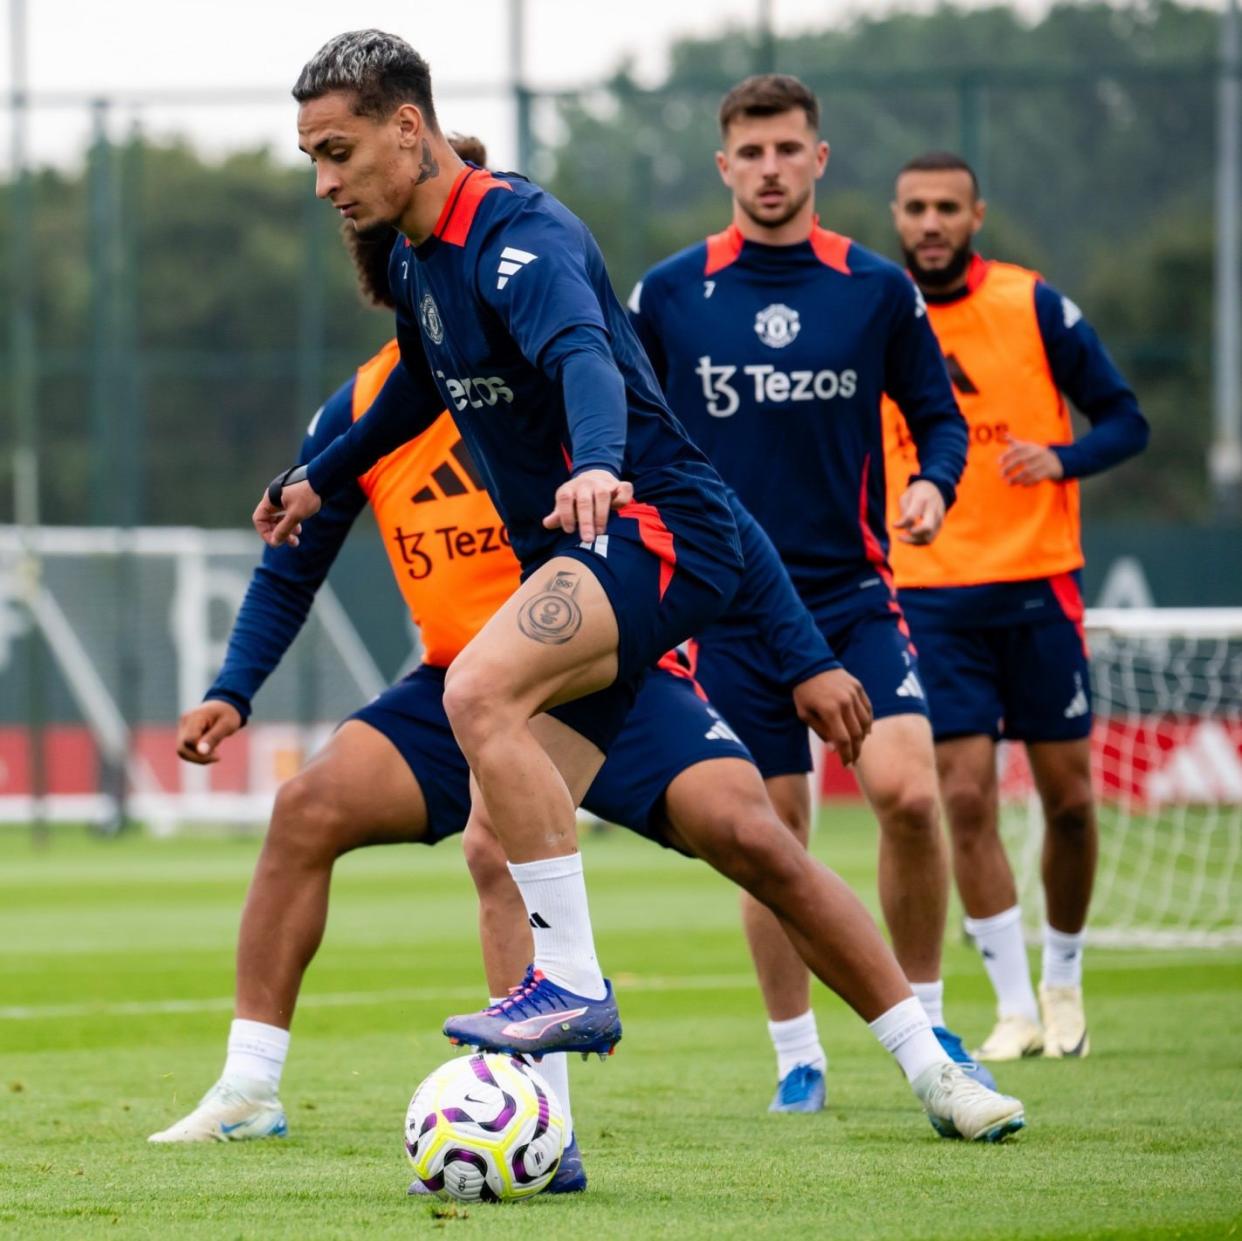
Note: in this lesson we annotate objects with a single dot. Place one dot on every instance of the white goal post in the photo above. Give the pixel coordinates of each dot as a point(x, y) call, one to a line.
point(107, 636)
point(1167, 769)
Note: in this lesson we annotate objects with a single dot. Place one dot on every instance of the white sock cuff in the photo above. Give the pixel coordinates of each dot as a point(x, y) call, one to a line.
point(795, 1027)
point(997, 922)
point(256, 1038)
point(547, 868)
point(1066, 941)
point(931, 996)
point(902, 1022)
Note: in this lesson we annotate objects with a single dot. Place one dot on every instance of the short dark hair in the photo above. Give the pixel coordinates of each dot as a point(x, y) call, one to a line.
point(768, 94)
point(370, 250)
point(941, 161)
point(469, 148)
point(382, 70)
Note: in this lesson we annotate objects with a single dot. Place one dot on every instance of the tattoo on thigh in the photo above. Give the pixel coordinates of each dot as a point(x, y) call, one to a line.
point(427, 167)
point(552, 617)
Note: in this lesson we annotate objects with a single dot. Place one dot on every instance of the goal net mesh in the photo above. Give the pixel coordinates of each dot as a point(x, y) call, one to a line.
point(1167, 771)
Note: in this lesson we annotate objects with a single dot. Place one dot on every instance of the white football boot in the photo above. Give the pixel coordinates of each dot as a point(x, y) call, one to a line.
point(959, 1107)
point(1065, 1023)
point(230, 1112)
point(1013, 1038)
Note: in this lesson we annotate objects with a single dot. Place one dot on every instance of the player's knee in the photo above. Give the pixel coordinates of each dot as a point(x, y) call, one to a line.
point(473, 701)
point(969, 811)
point(308, 826)
point(485, 858)
point(756, 850)
point(911, 811)
point(1070, 812)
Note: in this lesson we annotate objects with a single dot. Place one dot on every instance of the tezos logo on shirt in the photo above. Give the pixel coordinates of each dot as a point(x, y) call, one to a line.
point(777, 325)
point(429, 313)
point(477, 391)
point(763, 383)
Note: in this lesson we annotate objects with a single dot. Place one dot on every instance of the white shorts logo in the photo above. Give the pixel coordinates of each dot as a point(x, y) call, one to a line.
point(910, 687)
point(1078, 704)
point(777, 325)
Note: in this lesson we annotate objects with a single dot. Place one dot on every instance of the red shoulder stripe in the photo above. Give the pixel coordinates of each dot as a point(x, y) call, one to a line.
point(976, 272)
point(722, 249)
point(463, 201)
point(831, 249)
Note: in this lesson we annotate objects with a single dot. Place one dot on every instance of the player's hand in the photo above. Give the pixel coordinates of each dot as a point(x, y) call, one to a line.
point(1024, 464)
point(282, 523)
point(200, 731)
point(836, 706)
point(921, 510)
point(584, 502)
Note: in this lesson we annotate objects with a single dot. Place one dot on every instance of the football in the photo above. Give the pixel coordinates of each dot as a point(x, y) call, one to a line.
point(484, 1128)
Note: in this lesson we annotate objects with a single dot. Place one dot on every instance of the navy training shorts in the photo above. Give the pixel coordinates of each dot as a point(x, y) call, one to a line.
point(670, 729)
point(742, 680)
point(1017, 682)
point(662, 590)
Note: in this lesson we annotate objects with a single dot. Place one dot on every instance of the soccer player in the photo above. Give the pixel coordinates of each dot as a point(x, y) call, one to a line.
point(774, 341)
point(995, 603)
point(393, 772)
point(623, 531)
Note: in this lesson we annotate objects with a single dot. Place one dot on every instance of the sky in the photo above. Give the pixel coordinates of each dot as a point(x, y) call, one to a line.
point(139, 49)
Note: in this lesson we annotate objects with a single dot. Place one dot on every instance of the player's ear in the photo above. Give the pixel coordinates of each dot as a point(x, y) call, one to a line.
point(410, 124)
point(722, 167)
point(979, 210)
point(822, 152)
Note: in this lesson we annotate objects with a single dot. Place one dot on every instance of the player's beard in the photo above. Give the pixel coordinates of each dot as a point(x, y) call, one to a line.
point(775, 222)
point(938, 277)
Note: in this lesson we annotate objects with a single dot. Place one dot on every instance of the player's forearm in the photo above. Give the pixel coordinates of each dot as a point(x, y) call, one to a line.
point(272, 614)
point(941, 440)
point(771, 607)
point(1116, 435)
point(595, 405)
point(401, 411)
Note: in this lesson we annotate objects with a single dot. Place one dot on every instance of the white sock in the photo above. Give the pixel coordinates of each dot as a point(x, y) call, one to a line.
point(1062, 965)
point(797, 1042)
point(556, 905)
point(1000, 943)
point(256, 1052)
point(555, 1071)
point(905, 1031)
point(931, 996)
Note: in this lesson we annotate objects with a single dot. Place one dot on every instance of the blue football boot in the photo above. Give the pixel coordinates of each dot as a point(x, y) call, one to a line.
point(952, 1045)
point(539, 1018)
point(571, 1177)
point(802, 1089)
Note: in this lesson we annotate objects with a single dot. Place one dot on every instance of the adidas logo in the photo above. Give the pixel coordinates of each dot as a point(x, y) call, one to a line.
point(1207, 768)
point(512, 260)
point(449, 480)
point(538, 923)
point(720, 731)
point(1078, 704)
point(910, 687)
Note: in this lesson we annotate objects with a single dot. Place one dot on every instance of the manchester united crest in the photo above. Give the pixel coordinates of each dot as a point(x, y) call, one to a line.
point(777, 325)
point(433, 325)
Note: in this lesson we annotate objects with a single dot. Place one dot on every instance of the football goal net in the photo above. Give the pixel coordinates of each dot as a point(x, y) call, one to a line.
point(1167, 767)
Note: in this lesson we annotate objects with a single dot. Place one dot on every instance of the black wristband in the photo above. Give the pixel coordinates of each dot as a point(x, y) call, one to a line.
point(294, 474)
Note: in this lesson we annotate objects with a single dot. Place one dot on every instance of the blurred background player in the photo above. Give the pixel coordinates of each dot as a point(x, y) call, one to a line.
point(393, 772)
point(775, 341)
point(995, 603)
point(506, 317)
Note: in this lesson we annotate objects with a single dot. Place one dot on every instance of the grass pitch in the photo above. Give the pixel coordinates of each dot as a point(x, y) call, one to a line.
point(115, 983)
